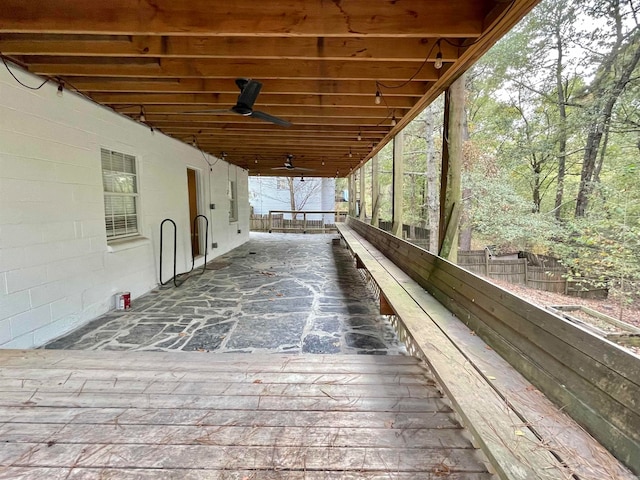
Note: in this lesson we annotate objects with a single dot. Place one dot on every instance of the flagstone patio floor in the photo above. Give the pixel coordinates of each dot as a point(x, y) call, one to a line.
point(278, 293)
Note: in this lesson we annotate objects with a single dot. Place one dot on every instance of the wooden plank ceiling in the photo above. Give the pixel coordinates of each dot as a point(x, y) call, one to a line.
point(320, 62)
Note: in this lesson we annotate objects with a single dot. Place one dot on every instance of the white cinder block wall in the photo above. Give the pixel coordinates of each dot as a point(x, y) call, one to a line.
point(57, 270)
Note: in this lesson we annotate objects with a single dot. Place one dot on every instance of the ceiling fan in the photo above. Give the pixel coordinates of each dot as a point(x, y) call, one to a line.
point(288, 165)
point(249, 90)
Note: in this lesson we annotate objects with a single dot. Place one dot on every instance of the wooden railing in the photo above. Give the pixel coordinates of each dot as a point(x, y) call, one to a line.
point(592, 379)
point(299, 222)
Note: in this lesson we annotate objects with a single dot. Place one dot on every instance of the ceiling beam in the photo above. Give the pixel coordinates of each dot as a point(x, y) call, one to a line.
point(292, 18)
point(216, 120)
point(284, 111)
point(231, 68)
point(227, 85)
point(196, 101)
point(270, 48)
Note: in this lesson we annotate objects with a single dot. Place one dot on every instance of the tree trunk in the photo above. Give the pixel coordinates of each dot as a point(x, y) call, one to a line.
point(606, 92)
point(292, 197)
point(562, 140)
point(453, 194)
point(433, 207)
point(465, 231)
point(537, 170)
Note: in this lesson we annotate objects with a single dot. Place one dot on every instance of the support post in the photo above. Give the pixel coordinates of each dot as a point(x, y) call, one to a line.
point(398, 177)
point(362, 215)
point(352, 195)
point(375, 190)
point(452, 156)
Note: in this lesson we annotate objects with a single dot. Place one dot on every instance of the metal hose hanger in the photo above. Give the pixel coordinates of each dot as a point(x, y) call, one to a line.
point(176, 276)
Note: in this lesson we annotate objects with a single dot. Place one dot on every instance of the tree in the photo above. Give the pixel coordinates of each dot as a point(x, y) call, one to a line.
point(300, 191)
point(616, 66)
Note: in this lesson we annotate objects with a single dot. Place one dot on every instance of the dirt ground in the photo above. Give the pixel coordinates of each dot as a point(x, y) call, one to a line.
point(609, 306)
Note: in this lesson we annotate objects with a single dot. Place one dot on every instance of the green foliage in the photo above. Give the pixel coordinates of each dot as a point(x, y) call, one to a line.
point(501, 217)
point(604, 251)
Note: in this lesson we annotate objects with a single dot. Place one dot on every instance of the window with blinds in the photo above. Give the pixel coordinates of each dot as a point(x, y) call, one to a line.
point(233, 202)
point(120, 183)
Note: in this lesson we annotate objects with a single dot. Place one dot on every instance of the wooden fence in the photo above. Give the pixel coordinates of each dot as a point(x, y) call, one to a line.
point(548, 275)
point(299, 223)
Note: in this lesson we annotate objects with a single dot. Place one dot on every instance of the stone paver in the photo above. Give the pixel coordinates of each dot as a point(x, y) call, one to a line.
point(278, 293)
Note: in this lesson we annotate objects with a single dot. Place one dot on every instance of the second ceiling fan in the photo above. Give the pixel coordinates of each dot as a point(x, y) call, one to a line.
point(288, 165)
point(249, 91)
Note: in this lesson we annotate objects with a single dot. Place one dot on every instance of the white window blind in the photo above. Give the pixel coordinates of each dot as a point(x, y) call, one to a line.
point(233, 203)
point(120, 183)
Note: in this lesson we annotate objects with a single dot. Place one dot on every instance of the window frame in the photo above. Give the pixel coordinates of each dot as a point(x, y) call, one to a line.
point(108, 196)
point(281, 183)
point(232, 195)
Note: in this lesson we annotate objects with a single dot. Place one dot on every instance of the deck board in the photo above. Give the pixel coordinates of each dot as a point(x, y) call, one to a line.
point(83, 414)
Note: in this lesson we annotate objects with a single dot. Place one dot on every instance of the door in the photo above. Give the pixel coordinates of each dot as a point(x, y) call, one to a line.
point(192, 182)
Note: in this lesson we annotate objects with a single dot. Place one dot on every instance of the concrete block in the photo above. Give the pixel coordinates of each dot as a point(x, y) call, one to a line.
point(29, 321)
point(88, 194)
point(24, 168)
point(93, 227)
point(11, 258)
point(23, 342)
point(40, 255)
point(20, 235)
point(47, 293)
point(5, 331)
point(76, 248)
point(86, 175)
point(62, 230)
point(65, 307)
point(25, 278)
point(3, 284)
point(73, 268)
point(61, 327)
point(14, 303)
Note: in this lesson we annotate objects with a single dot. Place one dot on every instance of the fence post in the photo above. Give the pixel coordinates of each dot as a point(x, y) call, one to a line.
point(526, 272)
point(270, 221)
point(486, 262)
point(304, 222)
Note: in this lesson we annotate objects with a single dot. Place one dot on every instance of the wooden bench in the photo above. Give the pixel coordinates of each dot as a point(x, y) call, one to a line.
point(520, 431)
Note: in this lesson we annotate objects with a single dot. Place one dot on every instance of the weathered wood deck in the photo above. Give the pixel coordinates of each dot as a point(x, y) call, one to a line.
point(96, 415)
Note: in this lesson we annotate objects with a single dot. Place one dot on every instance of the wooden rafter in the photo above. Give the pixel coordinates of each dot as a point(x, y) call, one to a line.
point(321, 63)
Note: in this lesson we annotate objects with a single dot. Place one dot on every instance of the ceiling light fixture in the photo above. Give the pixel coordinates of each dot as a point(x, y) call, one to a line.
point(194, 142)
point(350, 154)
point(393, 120)
point(142, 117)
point(438, 63)
point(60, 89)
point(378, 97)
point(359, 135)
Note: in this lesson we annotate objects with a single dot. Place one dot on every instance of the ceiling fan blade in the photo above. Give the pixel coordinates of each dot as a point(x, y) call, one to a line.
point(249, 91)
point(299, 169)
point(209, 112)
point(270, 118)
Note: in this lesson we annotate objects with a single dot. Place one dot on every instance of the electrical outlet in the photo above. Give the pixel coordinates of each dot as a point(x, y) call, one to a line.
point(214, 245)
point(212, 206)
point(239, 231)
